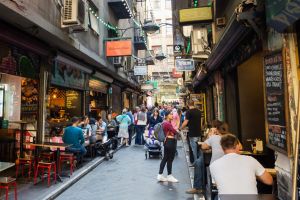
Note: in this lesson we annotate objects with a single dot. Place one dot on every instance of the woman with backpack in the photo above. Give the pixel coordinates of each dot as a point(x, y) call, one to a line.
point(169, 149)
point(124, 121)
point(141, 119)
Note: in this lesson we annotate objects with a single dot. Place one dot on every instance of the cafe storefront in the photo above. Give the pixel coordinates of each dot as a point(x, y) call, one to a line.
point(19, 98)
point(66, 93)
point(98, 97)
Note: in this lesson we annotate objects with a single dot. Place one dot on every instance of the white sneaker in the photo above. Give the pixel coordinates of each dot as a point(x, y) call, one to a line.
point(161, 178)
point(171, 178)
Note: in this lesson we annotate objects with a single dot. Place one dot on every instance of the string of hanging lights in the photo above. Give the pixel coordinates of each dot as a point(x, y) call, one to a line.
point(115, 28)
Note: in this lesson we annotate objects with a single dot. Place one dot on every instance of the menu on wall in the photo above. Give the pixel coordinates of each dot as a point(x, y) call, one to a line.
point(275, 102)
point(73, 103)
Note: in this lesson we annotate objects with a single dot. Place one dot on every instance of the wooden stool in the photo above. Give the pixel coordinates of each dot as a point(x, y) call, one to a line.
point(66, 157)
point(48, 166)
point(22, 163)
point(5, 182)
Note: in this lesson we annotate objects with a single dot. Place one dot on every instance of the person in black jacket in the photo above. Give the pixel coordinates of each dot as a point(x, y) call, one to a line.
point(155, 118)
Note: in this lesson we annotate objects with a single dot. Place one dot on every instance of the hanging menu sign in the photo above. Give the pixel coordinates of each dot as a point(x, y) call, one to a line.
point(276, 129)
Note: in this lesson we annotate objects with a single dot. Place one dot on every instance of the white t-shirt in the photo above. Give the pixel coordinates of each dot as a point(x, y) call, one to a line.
point(217, 151)
point(236, 174)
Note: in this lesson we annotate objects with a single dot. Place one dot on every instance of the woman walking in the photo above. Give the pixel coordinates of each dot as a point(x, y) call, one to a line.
point(169, 149)
point(140, 126)
point(155, 119)
point(124, 121)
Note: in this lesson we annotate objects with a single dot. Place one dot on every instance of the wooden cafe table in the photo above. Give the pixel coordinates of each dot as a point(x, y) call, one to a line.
point(52, 145)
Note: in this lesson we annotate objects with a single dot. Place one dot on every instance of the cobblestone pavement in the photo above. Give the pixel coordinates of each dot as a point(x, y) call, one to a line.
point(129, 176)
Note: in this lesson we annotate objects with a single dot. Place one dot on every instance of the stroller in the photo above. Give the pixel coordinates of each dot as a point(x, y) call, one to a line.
point(106, 147)
point(152, 146)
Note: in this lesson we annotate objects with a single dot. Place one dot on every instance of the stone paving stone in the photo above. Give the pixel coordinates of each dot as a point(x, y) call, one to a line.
point(129, 176)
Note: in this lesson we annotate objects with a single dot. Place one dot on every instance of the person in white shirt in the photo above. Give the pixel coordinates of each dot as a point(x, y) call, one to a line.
point(213, 143)
point(235, 173)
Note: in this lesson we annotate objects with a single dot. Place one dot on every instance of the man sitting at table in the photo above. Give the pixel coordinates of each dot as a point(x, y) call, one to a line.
point(235, 173)
point(74, 135)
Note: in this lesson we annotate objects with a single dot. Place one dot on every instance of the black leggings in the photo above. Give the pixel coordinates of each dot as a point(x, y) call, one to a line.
point(169, 154)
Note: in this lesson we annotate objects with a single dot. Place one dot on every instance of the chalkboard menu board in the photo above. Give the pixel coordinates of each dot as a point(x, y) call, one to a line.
point(73, 103)
point(274, 75)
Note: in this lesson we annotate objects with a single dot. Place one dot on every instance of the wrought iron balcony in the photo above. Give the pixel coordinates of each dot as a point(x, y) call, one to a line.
point(140, 43)
point(120, 8)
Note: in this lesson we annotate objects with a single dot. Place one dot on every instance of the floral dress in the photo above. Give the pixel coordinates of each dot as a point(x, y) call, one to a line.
point(124, 121)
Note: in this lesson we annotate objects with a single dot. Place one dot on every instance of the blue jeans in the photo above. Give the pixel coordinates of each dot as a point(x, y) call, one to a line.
point(199, 175)
point(139, 138)
point(194, 146)
point(81, 150)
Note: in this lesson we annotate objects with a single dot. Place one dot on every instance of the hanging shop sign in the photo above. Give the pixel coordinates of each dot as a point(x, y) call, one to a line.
point(184, 65)
point(16, 61)
point(118, 48)
point(140, 70)
point(195, 14)
point(147, 87)
point(281, 14)
point(176, 74)
point(98, 86)
point(177, 48)
point(277, 132)
point(66, 75)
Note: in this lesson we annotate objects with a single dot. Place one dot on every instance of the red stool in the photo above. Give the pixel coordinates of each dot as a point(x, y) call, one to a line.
point(5, 183)
point(22, 163)
point(48, 166)
point(66, 157)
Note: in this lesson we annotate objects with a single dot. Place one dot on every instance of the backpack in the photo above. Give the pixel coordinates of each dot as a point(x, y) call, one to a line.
point(159, 132)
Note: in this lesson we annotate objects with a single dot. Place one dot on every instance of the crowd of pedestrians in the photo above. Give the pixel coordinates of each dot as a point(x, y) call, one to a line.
point(227, 165)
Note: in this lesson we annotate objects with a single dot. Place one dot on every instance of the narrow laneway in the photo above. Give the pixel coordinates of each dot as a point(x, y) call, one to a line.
point(129, 176)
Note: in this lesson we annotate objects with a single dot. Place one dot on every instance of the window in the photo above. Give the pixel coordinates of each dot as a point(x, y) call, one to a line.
point(93, 21)
point(168, 4)
point(156, 49)
point(170, 50)
point(169, 27)
point(155, 4)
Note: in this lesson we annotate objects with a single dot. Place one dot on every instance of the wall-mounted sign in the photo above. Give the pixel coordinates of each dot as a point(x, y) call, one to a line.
point(16, 61)
point(277, 132)
point(184, 65)
point(280, 14)
point(140, 70)
point(98, 86)
point(177, 48)
point(67, 76)
point(200, 103)
point(195, 14)
point(118, 48)
point(73, 103)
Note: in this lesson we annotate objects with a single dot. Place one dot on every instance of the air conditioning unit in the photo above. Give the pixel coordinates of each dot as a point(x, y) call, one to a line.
point(117, 61)
point(221, 22)
point(75, 15)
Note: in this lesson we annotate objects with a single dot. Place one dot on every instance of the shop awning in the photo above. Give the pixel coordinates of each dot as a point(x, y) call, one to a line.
point(282, 13)
point(72, 62)
point(103, 77)
point(233, 34)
